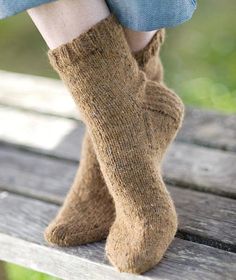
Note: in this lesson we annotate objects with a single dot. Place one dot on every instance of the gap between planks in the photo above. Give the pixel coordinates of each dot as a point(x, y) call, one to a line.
point(49, 180)
point(22, 222)
point(224, 143)
point(188, 165)
point(49, 96)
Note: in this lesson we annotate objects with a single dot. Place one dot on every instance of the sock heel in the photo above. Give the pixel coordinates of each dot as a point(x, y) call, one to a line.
point(159, 98)
point(164, 115)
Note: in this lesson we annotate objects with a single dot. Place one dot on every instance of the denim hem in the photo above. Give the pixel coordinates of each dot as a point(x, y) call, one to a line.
point(155, 25)
point(14, 7)
point(148, 15)
point(138, 15)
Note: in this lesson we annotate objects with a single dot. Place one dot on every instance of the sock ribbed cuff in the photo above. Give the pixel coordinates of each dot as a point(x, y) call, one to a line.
point(100, 40)
point(153, 48)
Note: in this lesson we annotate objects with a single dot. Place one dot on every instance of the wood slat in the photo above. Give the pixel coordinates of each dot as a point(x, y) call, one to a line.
point(201, 168)
point(210, 129)
point(205, 217)
point(49, 135)
point(36, 93)
point(49, 96)
point(22, 221)
point(187, 165)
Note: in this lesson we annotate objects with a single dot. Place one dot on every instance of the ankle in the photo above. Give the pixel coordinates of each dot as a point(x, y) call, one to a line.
point(61, 21)
point(138, 40)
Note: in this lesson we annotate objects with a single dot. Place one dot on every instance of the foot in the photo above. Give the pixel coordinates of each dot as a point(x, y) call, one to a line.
point(83, 223)
point(77, 221)
point(112, 95)
point(88, 210)
point(146, 223)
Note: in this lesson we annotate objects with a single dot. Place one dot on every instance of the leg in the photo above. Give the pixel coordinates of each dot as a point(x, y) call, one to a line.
point(138, 40)
point(125, 114)
point(88, 210)
point(77, 220)
point(61, 21)
point(124, 124)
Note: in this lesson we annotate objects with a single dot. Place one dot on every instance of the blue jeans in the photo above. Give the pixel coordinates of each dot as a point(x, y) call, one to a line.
point(140, 15)
point(150, 15)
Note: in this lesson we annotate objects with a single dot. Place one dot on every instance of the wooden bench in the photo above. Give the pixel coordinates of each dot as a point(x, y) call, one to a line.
point(40, 140)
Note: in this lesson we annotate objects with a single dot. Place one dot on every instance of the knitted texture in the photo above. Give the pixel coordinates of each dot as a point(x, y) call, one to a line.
point(88, 210)
point(148, 58)
point(124, 113)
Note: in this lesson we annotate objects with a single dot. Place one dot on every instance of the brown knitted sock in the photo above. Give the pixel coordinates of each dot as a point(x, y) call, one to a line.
point(124, 112)
point(88, 210)
point(149, 60)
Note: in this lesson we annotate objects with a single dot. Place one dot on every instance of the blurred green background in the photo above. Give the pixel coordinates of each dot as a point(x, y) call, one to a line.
point(199, 58)
point(15, 272)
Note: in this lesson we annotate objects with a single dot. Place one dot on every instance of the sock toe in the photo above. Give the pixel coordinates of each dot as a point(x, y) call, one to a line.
point(55, 234)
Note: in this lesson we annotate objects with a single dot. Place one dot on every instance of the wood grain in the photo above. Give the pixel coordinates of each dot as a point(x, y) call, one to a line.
point(210, 129)
point(40, 130)
point(22, 221)
point(40, 94)
point(200, 168)
point(211, 218)
point(49, 96)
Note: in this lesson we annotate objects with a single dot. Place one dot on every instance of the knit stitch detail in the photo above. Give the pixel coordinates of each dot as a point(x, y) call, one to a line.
point(153, 48)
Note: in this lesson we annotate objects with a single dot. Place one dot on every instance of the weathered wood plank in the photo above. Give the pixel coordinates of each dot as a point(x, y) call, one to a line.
point(49, 96)
point(36, 93)
point(33, 175)
point(22, 221)
point(189, 165)
point(210, 129)
point(43, 133)
point(211, 218)
point(201, 168)
point(200, 219)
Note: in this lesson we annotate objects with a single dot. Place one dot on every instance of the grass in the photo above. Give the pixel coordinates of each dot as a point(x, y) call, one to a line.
point(199, 59)
point(15, 272)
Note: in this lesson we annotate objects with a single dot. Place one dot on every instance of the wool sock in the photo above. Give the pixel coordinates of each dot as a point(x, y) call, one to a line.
point(88, 210)
point(119, 105)
point(148, 59)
